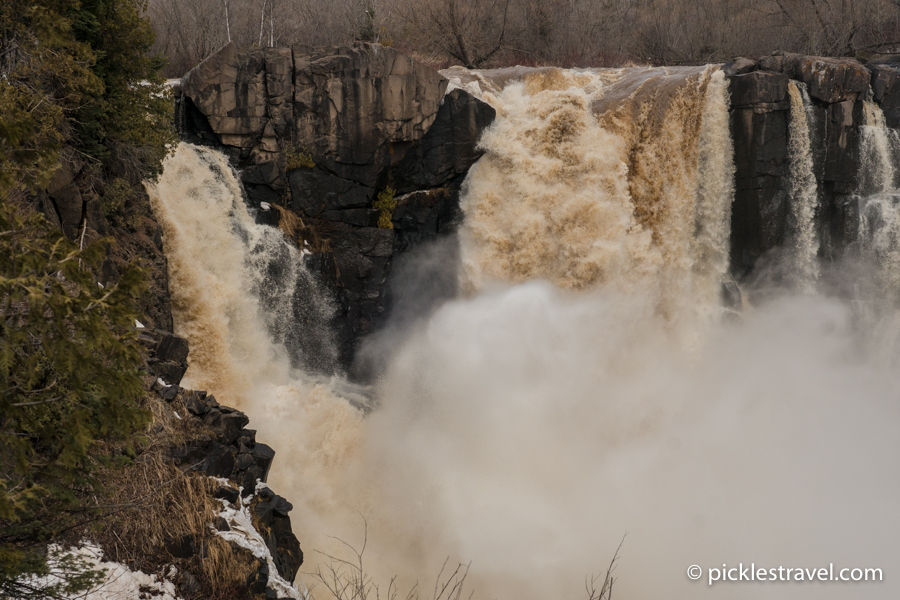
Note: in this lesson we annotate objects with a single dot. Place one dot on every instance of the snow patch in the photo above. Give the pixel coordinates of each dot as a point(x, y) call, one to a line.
point(119, 582)
point(246, 536)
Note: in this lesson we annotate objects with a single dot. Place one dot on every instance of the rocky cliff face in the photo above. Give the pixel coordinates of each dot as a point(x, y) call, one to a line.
point(70, 203)
point(323, 132)
point(837, 89)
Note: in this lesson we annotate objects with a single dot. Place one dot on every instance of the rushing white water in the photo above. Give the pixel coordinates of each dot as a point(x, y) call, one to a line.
point(879, 200)
point(879, 151)
point(604, 178)
point(803, 193)
point(528, 426)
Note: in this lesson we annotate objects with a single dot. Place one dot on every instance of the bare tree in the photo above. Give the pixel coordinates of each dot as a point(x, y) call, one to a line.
point(470, 31)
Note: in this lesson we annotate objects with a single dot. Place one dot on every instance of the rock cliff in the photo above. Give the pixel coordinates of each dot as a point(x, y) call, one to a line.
point(323, 132)
point(837, 89)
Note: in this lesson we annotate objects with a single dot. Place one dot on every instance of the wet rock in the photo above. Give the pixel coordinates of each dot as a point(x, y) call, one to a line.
point(288, 556)
point(226, 425)
point(170, 347)
point(272, 506)
point(313, 192)
point(828, 79)
point(169, 372)
point(168, 354)
point(263, 456)
point(449, 148)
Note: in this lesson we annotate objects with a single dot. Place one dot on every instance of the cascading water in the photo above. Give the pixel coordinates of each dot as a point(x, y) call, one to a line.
point(637, 196)
point(803, 193)
point(879, 150)
point(879, 233)
point(528, 426)
point(226, 255)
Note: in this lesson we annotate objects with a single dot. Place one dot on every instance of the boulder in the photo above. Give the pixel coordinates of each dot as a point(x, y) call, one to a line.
point(740, 66)
point(263, 456)
point(227, 493)
point(758, 87)
point(354, 106)
point(227, 426)
point(181, 546)
point(229, 88)
point(171, 347)
point(883, 79)
point(828, 79)
point(449, 147)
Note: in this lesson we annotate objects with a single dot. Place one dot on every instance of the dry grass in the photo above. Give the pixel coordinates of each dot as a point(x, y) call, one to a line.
point(347, 579)
point(152, 503)
point(304, 234)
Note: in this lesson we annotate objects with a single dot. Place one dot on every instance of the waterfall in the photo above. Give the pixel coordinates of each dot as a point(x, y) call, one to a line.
point(879, 151)
point(585, 191)
point(526, 426)
point(879, 201)
point(715, 189)
point(251, 312)
point(223, 254)
point(803, 194)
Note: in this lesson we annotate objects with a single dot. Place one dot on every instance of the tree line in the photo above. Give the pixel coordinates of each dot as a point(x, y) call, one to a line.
point(576, 33)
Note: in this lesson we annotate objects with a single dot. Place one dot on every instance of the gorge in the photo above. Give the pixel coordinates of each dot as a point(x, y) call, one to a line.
point(650, 303)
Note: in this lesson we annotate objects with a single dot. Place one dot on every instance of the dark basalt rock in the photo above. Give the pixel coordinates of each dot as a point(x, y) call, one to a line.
point(758, 87)
point(234, 454)
point(228, 493)
point(227, 426)
point(829, 79)
point(170, 347)
point(272, 511)
point(883, 78)
point(168, 353)
point(740, 66)
point(369, 118)
point(761, 133)
point(449, 148)
point(314, 192)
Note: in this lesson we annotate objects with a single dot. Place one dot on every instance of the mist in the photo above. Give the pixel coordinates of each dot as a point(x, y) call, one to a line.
point(528, 430)
point(573, 396)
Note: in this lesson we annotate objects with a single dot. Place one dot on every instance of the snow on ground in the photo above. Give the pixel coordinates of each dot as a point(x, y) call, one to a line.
point(246, 536)
point(119, 583)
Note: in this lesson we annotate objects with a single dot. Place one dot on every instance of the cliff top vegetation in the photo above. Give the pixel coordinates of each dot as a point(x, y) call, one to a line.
point(76, 80)
point(566, 33)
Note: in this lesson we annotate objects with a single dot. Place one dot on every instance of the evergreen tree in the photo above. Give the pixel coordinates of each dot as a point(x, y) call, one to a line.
point(73, 74)
point(68, 384)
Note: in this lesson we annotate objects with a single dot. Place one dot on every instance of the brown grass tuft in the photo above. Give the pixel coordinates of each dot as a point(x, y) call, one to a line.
point(152, 503)
point(304, 234)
